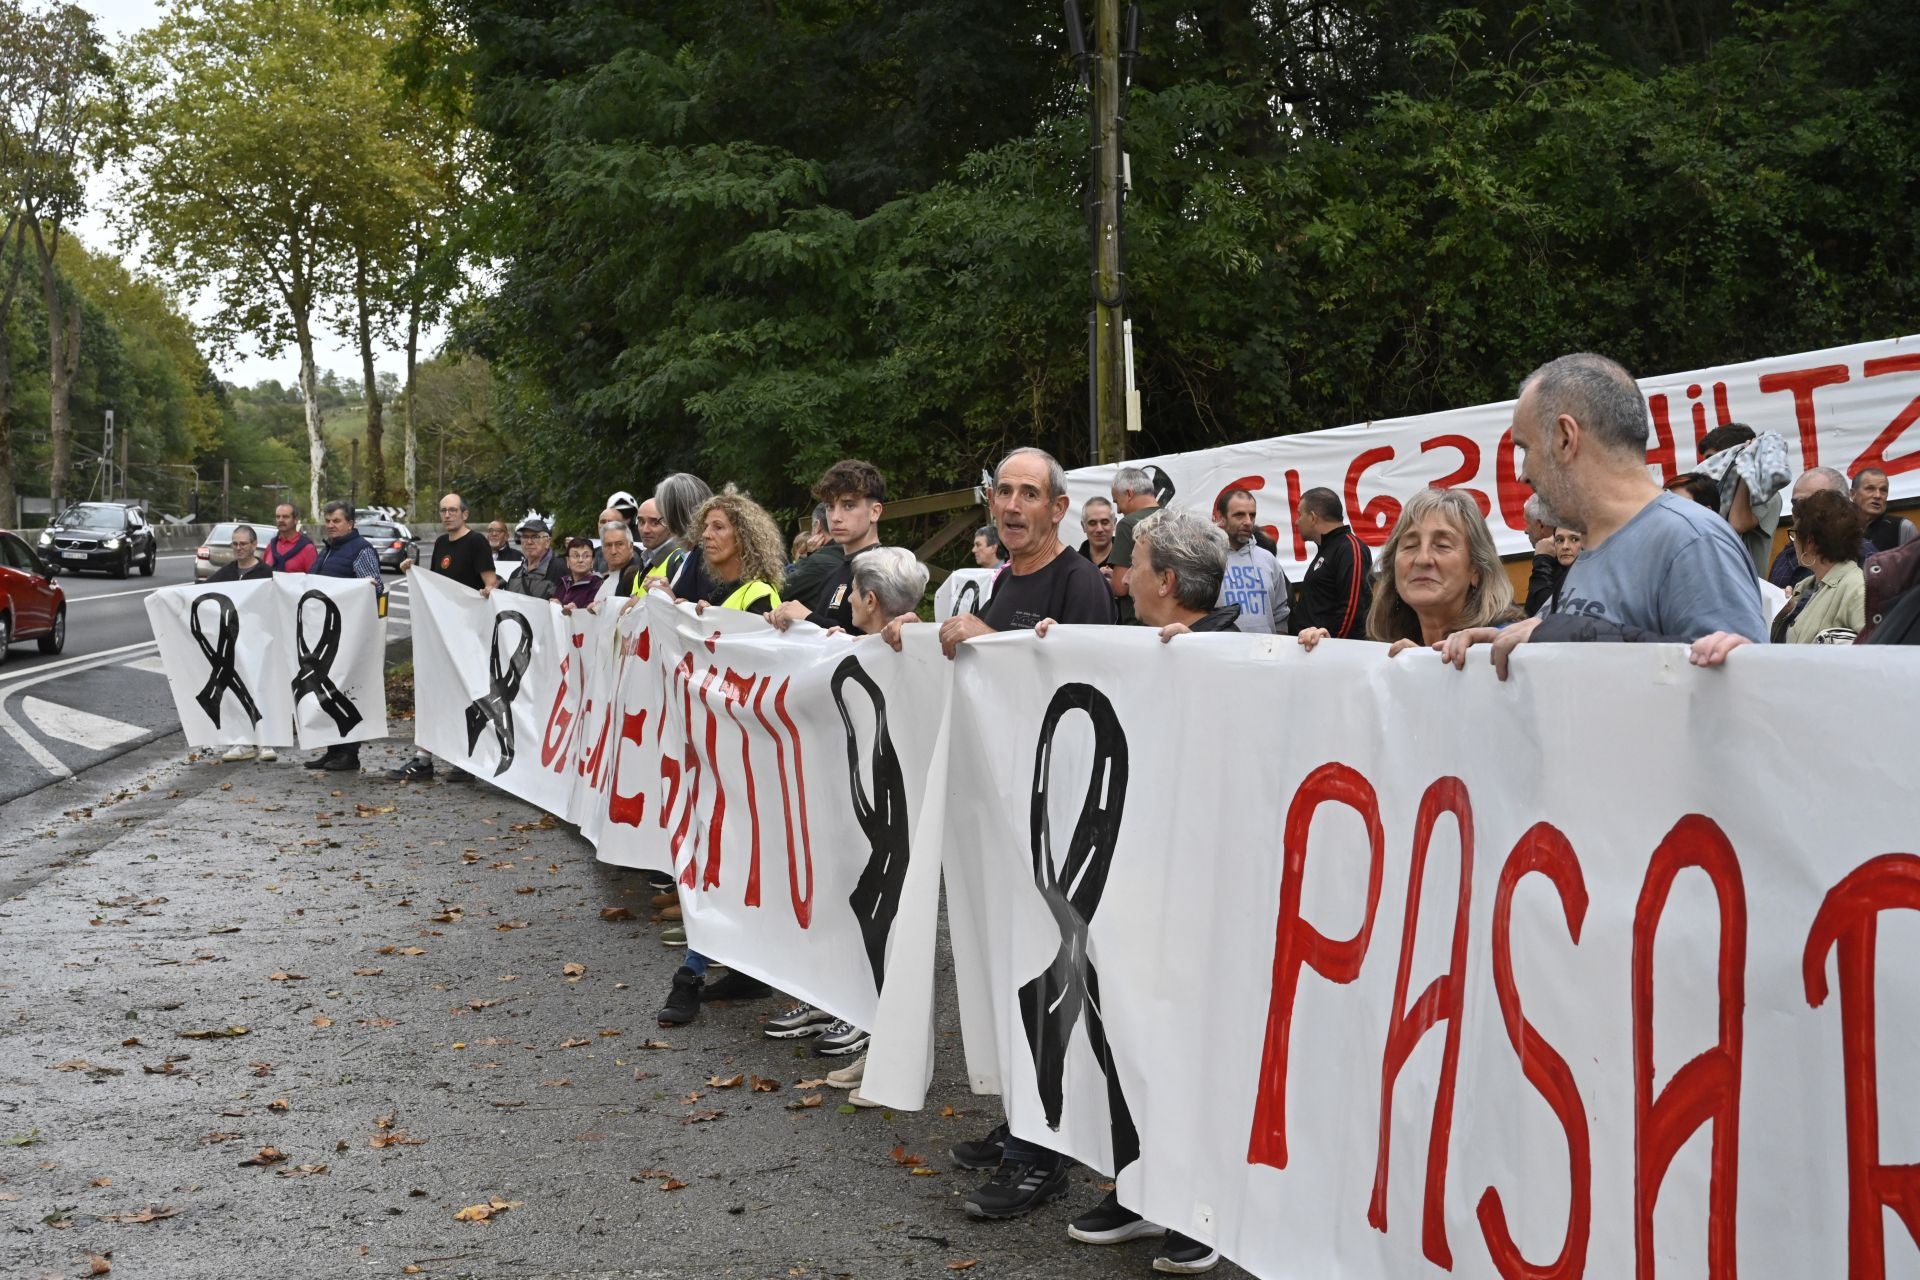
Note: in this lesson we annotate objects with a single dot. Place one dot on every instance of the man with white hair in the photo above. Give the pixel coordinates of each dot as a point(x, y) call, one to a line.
point(1655, 566)
point(1135, 500)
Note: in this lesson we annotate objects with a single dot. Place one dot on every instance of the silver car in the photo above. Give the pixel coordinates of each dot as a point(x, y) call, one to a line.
point(216, 549)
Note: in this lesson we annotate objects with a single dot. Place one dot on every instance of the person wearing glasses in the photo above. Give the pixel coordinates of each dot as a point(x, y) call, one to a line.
point(464, 556)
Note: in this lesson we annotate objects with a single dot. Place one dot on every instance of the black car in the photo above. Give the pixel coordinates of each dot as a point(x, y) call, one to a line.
point(392, 542)
point(110, 536)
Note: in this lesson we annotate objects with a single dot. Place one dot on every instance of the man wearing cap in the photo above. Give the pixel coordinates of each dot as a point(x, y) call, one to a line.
point(539, 575)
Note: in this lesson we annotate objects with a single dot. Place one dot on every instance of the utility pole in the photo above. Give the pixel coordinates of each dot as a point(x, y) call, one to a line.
point(353, 477)
point(226, 490)
point(1113, 405)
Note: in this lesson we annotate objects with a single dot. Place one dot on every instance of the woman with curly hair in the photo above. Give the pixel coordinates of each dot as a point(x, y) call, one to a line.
point(1831, 606)
point(741, 552)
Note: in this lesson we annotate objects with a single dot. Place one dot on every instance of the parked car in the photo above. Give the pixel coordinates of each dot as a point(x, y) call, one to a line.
point(111, 536)
point(216, 551)
point(391, 540)
point(32, 605)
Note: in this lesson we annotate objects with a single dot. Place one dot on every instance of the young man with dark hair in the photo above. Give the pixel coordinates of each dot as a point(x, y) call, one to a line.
point(1254, 579)
point(820, 588)
point(1338, 588)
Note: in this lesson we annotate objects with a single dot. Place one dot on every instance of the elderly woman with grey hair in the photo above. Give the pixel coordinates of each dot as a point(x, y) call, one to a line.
point(681, 572)
point(887, 582)
point(1180, 558)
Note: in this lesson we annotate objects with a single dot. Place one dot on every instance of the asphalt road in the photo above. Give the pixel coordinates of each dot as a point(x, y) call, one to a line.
point(105, 695)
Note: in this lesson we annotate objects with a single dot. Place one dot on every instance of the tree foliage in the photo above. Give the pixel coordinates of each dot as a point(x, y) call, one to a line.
point(747, 239)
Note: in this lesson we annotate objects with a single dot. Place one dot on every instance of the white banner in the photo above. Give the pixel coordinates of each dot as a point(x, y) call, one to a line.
point(1371, 968)
point(496, 687)
point(291, 659)
point(964, 591)
point(1845, 407)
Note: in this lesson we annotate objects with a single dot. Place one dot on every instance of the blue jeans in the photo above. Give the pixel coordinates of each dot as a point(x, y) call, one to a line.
point(697, 963)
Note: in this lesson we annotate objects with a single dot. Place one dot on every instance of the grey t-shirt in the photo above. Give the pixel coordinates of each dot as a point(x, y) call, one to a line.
point(1675, 571)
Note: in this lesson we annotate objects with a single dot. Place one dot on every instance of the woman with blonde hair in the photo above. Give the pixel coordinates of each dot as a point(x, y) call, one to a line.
point(742, 553)
point(1439, 573)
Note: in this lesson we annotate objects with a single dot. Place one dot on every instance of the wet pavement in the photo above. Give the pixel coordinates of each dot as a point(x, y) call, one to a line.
point(258, 1020)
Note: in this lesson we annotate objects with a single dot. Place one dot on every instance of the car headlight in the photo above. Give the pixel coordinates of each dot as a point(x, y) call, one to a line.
point(46, 538)
point(111, 544)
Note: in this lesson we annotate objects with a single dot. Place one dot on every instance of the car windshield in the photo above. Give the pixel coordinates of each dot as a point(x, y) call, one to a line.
point(94, 515)
point(377, 531)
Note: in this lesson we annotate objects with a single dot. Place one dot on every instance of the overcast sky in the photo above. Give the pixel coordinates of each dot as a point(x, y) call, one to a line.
point(119, 19)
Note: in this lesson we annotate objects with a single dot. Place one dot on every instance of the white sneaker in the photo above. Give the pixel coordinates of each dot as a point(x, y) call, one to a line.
point(269, 754)
point(860, 1099)
point(849, 1077)
point(238, 751)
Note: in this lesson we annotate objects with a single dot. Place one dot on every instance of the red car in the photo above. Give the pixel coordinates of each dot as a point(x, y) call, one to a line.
point(32, 605)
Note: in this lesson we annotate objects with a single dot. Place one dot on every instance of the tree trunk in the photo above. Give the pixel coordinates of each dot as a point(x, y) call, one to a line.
point(63, 360)
point(8, 288)
point(376, 451)
point(413, 358)
point(310, 391)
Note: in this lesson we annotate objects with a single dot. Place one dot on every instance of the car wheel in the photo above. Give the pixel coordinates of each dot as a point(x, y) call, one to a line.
point(125, 566)
point(56, 640)
point(6, 635)
point(146, 566)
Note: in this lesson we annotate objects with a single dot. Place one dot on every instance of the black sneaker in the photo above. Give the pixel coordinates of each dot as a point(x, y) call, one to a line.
point(1109, 1222)
point(661, 881)
point(1018, 1188)
point(736, 986)
point(683, 1002)
point(984, 1153)
point(341, 762)
point(418, 769)
point(801, 1020)
point(322, 761)
point(1185, 1256)
point(839, 1040)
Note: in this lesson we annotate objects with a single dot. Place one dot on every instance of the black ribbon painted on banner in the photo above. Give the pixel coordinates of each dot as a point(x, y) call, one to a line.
point(495, 709)
point(960, 598)
point(316, 664)
point(1053, 1002)
point(883, 818)
point(224, 676)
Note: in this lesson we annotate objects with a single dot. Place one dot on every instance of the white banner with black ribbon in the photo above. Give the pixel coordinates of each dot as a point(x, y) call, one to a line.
point(295, 659)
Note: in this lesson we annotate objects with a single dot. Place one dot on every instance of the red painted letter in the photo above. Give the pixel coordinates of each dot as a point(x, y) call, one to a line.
point(1545, 850)
point(1847, 922)
point(1803, 383)
point(1298, 943)
point(1707, 1089)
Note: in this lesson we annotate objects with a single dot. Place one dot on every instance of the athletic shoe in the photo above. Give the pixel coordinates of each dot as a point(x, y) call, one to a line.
point(1110, 1222)
point(665, 900)
point(982, 1154)
point(860, 1099)
point(801, 1020)
point(683, 1002)
point(839, 1040)
point(670, 913)
point(319, 761)
point(736, 986)
point(344, 762)
point(673, 937)
point(418, 769)
point(661, 881)
point(1185, 1256)
point(1018, 1188)
point(849, 1077)
point(237, 752)
point(268, 754)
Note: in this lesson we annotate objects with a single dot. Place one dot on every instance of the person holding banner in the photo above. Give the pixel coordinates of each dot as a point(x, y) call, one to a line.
point(819, 589)
point(579, 584)
point(1096, 521)
point(289, 550)
point(346, 555)
point(465, 557)
point(623, 570)
point(653, 534)
point(244, 565)
point(1656, 566)
point(681, 570)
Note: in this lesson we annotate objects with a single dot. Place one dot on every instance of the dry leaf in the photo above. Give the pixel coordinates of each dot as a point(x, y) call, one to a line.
point(672, 1184)
point(265, 1156)
point(691, 1098)
point(279, 1104)
point(922, 1171)
point(323, 1021)
point(574, 1044)
point(395, 1138)
point(130, 1042)
point(281, 975)
point(820, 1083)
point(97, 1265)
point(609, 1032)
point(451, 915)
point(963, 1264)
point(368, 973)
point(217, 1033)
point(379, 1023)
point(386, 1121)
point(655, 1044)
point(152, 1213)
point(615, 913)
point(762, 1084)
point(702, 1117)
point(91, 1068)
point(509, 926)
point(481, 1004)
point(948, 1113)
point(728, 1082)
point(216, 1137)
point(101, 1182)
point(411, 951)
point(474, 1213)
point(902, 1156)
point(805, 1104)
point(573, 969)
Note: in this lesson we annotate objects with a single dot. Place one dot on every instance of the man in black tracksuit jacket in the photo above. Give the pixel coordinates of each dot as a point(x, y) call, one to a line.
point(1338, 587)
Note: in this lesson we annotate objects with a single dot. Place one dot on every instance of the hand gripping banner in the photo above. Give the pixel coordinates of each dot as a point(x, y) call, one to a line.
point(1053, 1002)
point(494, 709)
point(315, 678)
point(223, 677)
point(883, 818)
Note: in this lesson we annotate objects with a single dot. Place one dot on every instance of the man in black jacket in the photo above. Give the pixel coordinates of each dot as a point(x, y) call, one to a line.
point(1338, 587)
point(246, 562)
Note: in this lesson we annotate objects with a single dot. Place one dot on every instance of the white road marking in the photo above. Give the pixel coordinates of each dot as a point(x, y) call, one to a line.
point(109, 595)
point(33, 675)
point(81, 728)
point(154, 663)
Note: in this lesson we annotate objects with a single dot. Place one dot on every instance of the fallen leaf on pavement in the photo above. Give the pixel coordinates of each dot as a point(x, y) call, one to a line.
point(323, 1021)
point(615, 913)
point(672, 1184)
point(279, 1104)
point(91, 1068)
point(573, 969)
point(451, 915)
point(481, 1004)
point(265, 1156)
point(262, 1069)
point(574, 1044)
point(395, 1138)
point(152, 1213)
point(963, 1264)
point(411, 951)
point(702, 1117)
point(368, 973)
point(762, 1084)
point(921, 1171)
point(280, 975)
point(305, 1170)
point(508, 926)
point(216, 1137)
point(101, 1182)
point(129, 1042)
point(901, 1156)
point(609, 1032)
point(379, 1023)
point(655, 1044)
point(820, 1083)
point(216, 1033)
point(727, 1082)
point(805, 1104)
point(97, 1265)
point(231, 928)
point(691, 1098)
